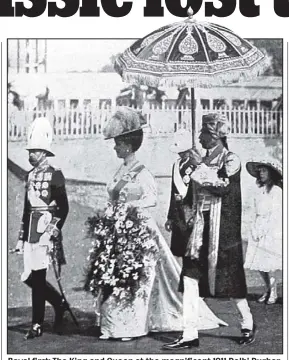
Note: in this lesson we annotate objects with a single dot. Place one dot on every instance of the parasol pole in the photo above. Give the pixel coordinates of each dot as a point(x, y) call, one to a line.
point(190, 13)
point(193, 116)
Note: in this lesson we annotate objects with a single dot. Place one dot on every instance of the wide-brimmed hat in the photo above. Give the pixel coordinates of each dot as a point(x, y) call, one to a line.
point(124, 121)
point(254, 165)
point(182, 141)
point(216, 124)
point(40, 135)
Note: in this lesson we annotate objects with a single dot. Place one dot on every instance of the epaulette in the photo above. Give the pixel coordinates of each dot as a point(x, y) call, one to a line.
point(53, 168)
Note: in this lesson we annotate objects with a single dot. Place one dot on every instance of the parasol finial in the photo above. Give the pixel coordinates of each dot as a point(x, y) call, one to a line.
point(190, 13)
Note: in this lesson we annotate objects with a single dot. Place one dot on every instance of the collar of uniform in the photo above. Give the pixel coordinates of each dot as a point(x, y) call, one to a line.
point(216, 151)
point(210, 151)
point(43, 165)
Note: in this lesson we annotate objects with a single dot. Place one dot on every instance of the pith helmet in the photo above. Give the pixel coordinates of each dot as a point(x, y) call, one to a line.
point(40, 135)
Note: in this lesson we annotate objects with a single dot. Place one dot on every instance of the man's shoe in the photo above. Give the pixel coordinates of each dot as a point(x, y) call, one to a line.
point(263, 298)
point(59, 314)
point(248, 336)
point(36, 330)
point(175, 341)
point(182, 344)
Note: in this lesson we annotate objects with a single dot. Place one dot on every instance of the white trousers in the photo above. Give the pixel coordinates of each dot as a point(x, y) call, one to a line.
point(245, 312)
point(35, 257)
point(191, 310)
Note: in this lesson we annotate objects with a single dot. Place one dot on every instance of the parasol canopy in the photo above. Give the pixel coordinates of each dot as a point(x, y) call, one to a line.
point(191, 54)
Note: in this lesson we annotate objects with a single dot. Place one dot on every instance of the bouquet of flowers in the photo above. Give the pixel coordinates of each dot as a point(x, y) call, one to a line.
point(122, 247)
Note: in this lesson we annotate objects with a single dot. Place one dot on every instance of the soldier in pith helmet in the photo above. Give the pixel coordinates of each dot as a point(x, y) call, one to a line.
point(45, 211)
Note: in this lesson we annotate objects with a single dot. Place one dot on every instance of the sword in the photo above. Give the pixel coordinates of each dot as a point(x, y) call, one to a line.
point(57, 272)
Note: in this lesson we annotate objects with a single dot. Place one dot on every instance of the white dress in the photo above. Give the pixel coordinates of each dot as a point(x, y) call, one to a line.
point(264, 252)
point(161, 308)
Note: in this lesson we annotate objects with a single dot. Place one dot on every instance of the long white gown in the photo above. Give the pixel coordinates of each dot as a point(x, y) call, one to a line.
point(159, 304)
point(264, 252)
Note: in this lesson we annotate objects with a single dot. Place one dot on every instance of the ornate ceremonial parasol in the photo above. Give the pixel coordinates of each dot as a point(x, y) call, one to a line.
point(192, 54)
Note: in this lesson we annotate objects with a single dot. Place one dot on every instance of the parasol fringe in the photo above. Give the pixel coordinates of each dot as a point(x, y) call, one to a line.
point(199, 80)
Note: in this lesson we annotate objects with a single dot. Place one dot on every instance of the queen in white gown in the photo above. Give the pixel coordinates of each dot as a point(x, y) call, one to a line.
point(161, 307)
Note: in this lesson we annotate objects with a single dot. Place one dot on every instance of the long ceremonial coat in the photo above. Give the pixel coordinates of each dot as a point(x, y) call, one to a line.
point(229, 277)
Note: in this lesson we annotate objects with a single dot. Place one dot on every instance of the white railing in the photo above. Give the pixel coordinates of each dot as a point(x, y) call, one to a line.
point(88, 122)
point(253, 122)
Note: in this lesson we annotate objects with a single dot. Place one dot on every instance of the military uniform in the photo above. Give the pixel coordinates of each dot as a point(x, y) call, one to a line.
point(45, 210)
point(180, 208)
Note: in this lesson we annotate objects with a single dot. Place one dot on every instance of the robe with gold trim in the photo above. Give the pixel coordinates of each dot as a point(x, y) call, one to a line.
point(219, 264)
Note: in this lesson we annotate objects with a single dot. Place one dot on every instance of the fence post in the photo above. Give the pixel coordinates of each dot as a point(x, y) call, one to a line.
point(263, 122)
point(250, 119)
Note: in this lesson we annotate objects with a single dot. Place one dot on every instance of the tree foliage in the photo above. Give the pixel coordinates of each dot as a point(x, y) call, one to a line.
point(274, 49)
point(109, 67)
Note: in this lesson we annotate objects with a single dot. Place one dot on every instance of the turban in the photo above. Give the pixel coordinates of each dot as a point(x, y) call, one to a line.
point(216, 124)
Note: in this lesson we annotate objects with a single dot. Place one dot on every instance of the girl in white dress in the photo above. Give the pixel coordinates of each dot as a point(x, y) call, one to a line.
point(161, 307)
point(264, 252)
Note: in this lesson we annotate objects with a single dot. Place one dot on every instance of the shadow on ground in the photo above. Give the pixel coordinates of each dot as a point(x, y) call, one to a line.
point(223, 340)
point(19, 320)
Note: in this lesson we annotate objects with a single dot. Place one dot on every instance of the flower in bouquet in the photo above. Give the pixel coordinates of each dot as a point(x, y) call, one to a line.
point(129, 224)
point(109, 210)
point(122, 243)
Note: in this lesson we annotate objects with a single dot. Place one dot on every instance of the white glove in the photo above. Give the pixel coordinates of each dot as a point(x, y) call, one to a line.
point(19, 247)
